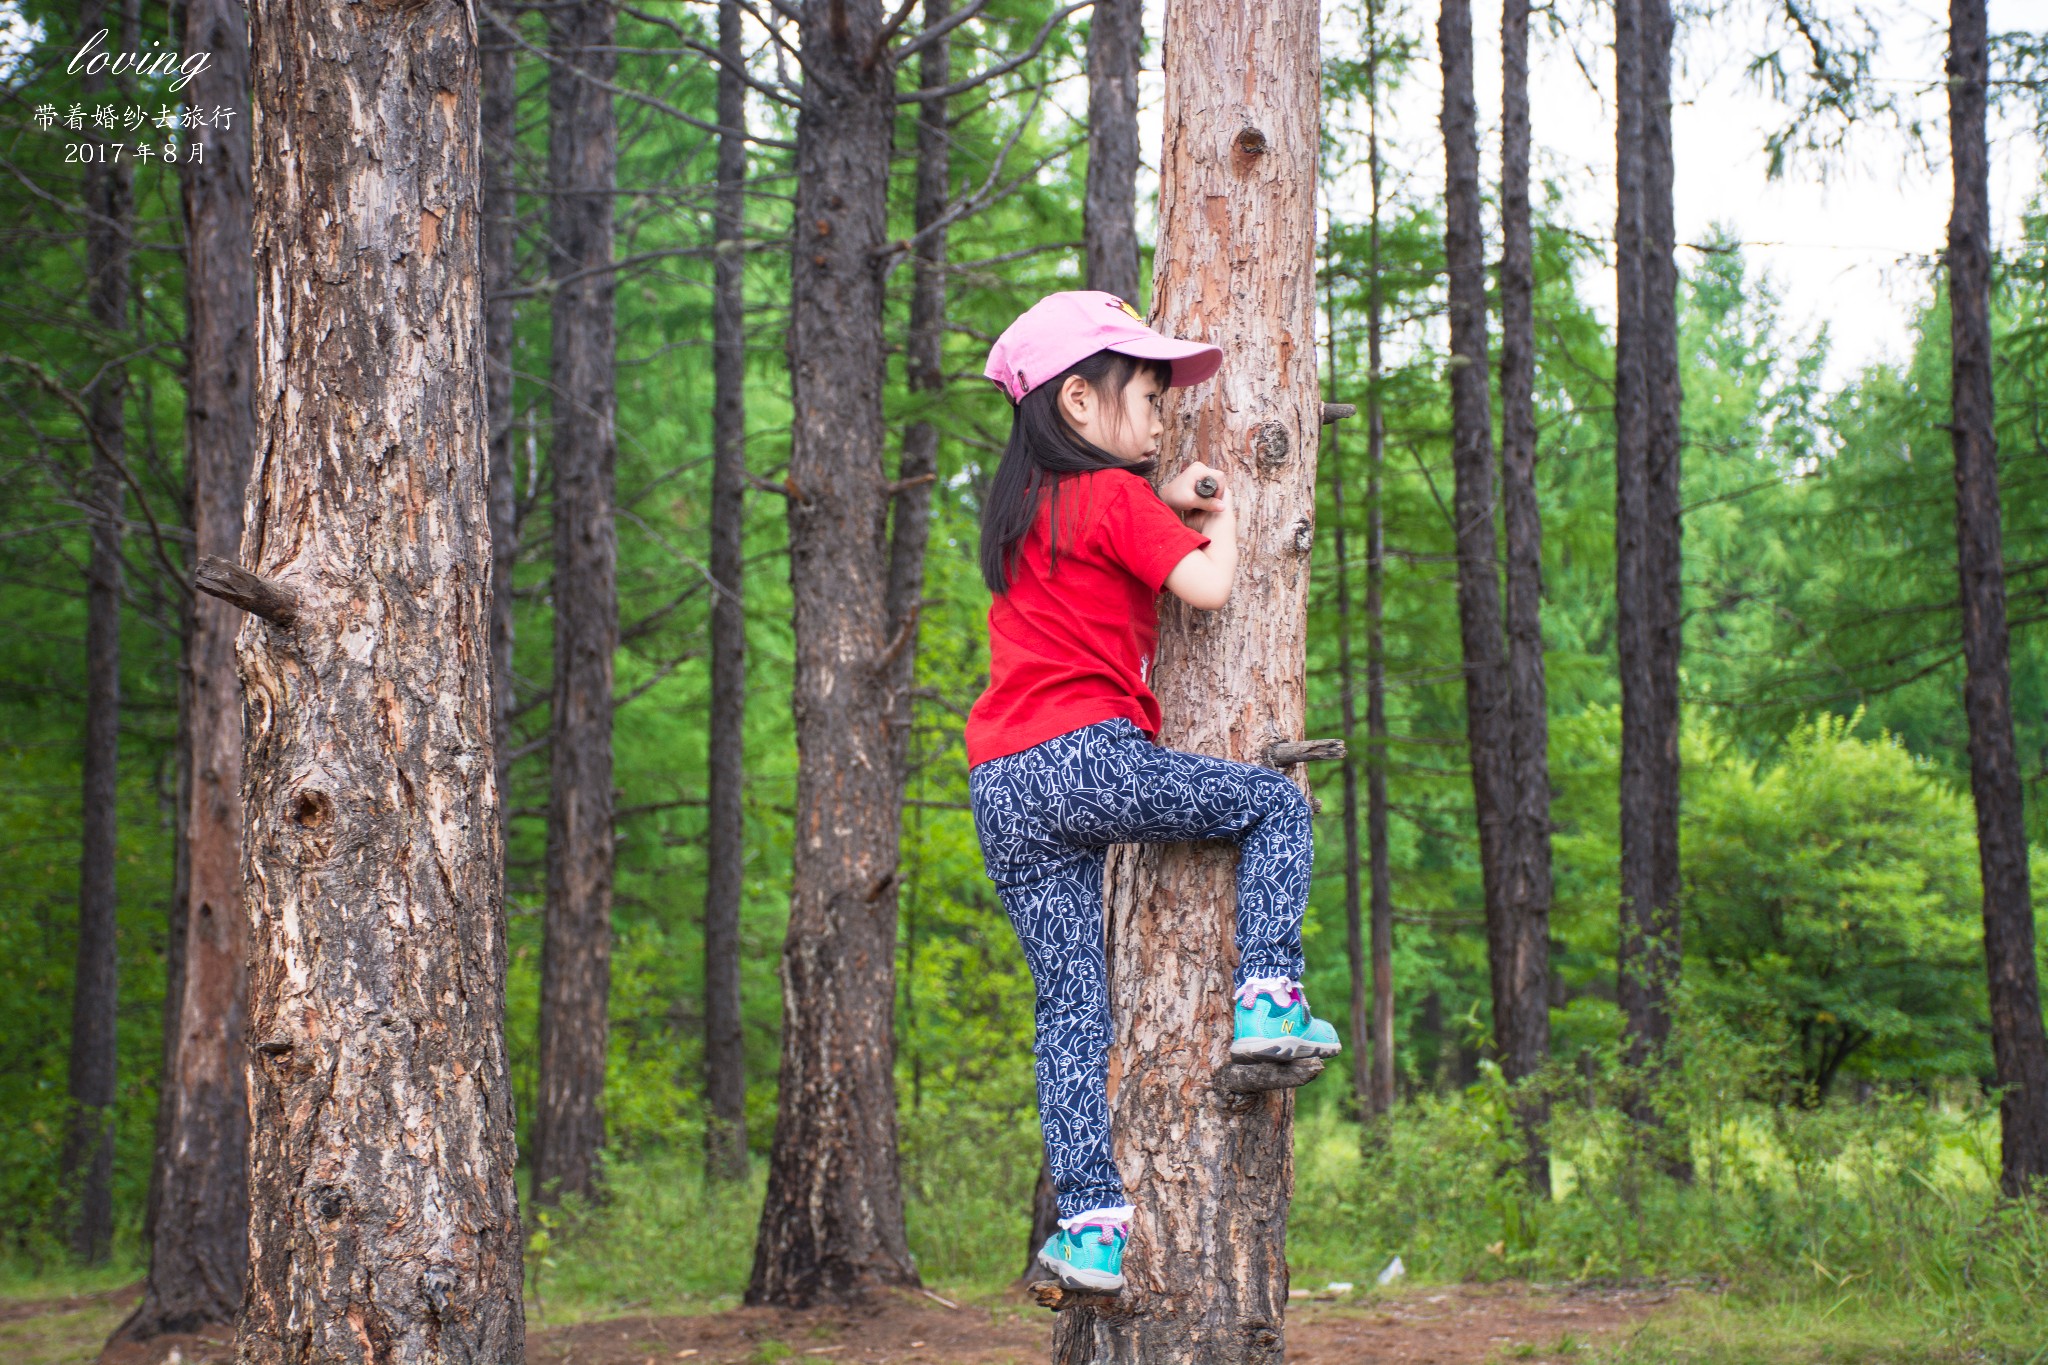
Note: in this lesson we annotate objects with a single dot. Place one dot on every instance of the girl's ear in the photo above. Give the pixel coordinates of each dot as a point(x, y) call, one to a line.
point(1076, 401)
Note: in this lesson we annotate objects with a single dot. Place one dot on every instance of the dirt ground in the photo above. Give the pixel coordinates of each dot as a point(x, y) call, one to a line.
point(1453, 1325)
point(1444, 1325)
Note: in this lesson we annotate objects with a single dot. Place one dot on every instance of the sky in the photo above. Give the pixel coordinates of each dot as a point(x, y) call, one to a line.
point(1850, 242)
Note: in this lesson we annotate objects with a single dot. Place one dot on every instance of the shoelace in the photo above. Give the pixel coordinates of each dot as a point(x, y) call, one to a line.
point(1278, 989)
point(1107, 1234)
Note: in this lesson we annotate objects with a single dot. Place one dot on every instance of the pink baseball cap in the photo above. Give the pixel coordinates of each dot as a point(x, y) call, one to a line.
point(1060, 330)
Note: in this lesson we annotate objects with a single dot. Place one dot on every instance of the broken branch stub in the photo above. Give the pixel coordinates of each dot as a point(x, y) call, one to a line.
point(1256, 1078)
point(236, 586)
point(1056, 1296)
point(1287, 753)
point(1337, 412)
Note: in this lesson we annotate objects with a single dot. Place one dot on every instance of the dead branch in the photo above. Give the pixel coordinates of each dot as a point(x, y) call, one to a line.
point(1256, 1078)
point(1287, 753)
point(236, 586)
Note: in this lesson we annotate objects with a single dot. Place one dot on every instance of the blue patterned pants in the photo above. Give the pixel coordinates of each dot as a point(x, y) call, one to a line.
point(1047, 817)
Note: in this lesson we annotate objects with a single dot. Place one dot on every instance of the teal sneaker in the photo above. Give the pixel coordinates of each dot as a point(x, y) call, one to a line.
point(1274, 1025)
point(1089, 1255)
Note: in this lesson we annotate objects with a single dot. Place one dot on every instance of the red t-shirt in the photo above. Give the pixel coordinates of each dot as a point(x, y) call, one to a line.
point(1071, 643)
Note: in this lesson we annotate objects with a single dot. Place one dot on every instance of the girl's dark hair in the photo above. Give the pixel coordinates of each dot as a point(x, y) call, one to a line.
point(1043, 451)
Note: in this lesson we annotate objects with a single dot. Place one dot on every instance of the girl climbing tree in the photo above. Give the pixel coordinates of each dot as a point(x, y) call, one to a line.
point(1210, 1165)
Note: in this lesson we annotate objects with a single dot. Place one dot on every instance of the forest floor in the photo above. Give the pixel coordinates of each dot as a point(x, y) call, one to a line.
point(1425, 1325)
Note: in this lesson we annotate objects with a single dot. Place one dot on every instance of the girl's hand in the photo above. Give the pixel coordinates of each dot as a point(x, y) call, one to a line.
point(1214, 517)
point(1202, 579)
point(1180, 495)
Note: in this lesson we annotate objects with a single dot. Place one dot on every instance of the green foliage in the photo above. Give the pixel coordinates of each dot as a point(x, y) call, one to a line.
point(1832, 892)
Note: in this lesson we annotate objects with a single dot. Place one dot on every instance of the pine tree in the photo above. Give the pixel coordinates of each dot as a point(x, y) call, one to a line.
point(1206, 1273)
point(384, 1213)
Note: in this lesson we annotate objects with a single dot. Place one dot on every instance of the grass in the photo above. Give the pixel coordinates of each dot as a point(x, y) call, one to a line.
point(1841, 1234)
point(1846, 1233)
point(69, 1335)
point(1856, 1327)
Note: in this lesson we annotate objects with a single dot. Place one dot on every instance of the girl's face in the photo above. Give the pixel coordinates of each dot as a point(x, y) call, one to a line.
point(1127, 425)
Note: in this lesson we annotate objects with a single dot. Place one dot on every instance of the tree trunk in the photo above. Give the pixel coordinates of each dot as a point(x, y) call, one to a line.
point(568, 1127)
point(725, 833)
point(1647, 624)
point(88, 1169)
point(1354, 926)
point(2019, 1051)
point(832, 1226)
point(1487, 714)
point(500, 119)
point(384, 1214)
point(1382, 1089)
point(1522, 1010)
point(925, 372)
point(199, 1239)
point(1045, 1220)
point(1109, 214)
point(1211, 1172)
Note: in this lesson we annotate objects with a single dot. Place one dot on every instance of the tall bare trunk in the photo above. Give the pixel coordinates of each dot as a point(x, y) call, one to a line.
point(2018, 1049)
point(1382, 1088)
point(1109, 213)
point(575, 980)
point(1521, 1020)
point(1487, 706)
point(500, 132)
point(1211, 1172)
point(384, 1219)
point(1347, 683)
point(725, 834)
point(88, 1169)
point(199, 1244)
point(924, 368)
point(832, 1227)
point(1647, 624)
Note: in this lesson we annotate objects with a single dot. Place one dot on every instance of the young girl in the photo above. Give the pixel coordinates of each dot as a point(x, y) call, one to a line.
point(1076, 546)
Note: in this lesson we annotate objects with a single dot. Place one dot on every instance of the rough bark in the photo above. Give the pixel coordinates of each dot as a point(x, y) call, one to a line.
point(1487, 714)
point(1109, 213)
point(2018, 1049)
point(725, 841)
point(199, 1245)
point(1211, 1171)
point(500, 131)
point(1646, 396)
point(384, 1221)
point(568, 1126)
point(832, 1226)
point(1521, 1020)
point(88, 1158)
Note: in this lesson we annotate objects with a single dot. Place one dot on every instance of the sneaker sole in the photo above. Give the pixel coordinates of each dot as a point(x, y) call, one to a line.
point(1274, 1049)
point(1072, 1277)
